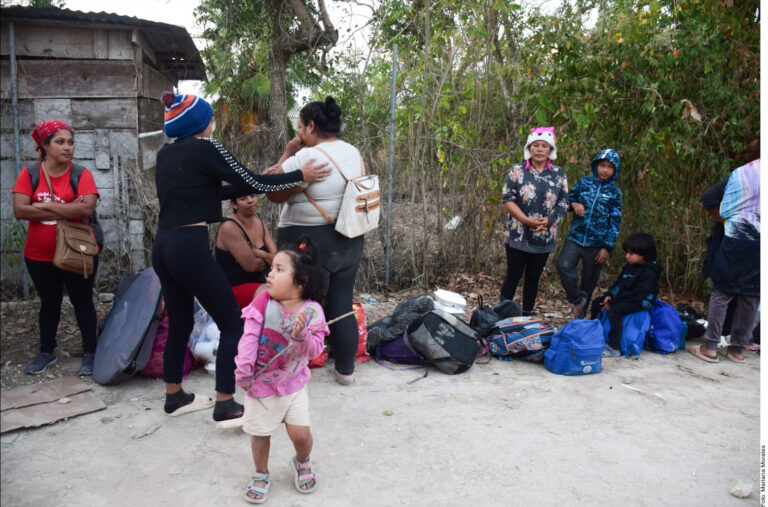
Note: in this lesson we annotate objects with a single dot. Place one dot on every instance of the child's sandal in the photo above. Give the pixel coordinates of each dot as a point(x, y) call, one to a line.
point(302, 479)
point(259, 493)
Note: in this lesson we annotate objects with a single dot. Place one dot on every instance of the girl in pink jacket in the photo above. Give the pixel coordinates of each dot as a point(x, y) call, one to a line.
point(284, 328)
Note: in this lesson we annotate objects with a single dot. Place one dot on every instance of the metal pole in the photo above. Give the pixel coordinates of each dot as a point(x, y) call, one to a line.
point(16, 146)
point(391, 162)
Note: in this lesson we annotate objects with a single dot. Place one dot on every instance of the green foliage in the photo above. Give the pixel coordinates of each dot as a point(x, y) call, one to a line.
point(241, 36)
point(673, 85)
point(238, 52)
point(13, 241)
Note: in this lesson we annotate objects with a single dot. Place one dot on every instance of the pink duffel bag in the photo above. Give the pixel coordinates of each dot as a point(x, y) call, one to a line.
point(154, 367)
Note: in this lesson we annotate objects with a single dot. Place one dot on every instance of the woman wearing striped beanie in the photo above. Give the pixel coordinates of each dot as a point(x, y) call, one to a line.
point(189, 177)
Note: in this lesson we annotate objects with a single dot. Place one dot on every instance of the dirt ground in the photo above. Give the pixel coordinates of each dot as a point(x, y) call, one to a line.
point(662, 430)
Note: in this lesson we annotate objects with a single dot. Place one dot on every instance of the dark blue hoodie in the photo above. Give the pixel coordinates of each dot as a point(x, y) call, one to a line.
point(599, 227)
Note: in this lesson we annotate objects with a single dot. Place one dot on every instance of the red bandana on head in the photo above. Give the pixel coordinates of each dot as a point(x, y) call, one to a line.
point(47, 128)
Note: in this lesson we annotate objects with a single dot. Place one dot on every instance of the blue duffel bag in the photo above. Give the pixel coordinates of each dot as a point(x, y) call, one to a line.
point(576, 349)
point(666, 328)
point(635, 327)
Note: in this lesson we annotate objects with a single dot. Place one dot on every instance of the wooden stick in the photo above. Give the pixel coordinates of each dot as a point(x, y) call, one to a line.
point(334, 321)
point(290, 346)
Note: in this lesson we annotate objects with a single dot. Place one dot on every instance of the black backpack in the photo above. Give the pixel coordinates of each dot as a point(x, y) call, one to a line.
point(483, 319)
point(444, 341)
point(74, 180)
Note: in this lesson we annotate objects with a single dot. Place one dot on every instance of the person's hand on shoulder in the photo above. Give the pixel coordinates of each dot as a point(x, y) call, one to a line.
point(315, 172)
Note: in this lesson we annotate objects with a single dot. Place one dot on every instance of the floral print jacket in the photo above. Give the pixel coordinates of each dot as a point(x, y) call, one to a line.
point(538, 194)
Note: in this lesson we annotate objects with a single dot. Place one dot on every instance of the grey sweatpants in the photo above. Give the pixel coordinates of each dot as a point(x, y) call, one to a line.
point(743, 319)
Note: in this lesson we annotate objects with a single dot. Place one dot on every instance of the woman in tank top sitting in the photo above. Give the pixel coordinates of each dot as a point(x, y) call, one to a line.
point(244, 249)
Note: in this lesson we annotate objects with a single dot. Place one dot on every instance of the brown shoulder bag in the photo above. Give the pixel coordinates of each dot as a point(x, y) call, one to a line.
point(75, 243)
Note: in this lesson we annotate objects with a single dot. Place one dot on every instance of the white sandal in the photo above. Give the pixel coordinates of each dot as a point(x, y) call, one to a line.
point(345, 380)
point(258, 490)
point(199, 403)
point(300, 479)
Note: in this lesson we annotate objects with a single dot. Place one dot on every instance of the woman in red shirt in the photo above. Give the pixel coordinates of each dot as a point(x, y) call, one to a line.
point(56, 144)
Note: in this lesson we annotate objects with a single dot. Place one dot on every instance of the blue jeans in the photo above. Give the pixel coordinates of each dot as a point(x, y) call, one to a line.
point(568, 269)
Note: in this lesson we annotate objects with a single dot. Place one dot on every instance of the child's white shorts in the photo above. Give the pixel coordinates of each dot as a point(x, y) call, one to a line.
point(290, 409)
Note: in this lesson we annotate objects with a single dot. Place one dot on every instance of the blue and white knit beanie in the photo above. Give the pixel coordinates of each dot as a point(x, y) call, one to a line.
point(185, 115)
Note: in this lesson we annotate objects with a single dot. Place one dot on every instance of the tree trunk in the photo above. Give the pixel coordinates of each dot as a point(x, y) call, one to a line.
point(278, 62)
point(278, 127)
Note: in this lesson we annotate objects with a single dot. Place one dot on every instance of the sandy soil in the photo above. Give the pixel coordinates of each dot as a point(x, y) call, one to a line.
point(663, 430)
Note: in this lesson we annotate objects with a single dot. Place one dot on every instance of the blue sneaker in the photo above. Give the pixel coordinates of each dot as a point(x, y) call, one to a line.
point(609, 351)
point(86, 368)
point(40, 363)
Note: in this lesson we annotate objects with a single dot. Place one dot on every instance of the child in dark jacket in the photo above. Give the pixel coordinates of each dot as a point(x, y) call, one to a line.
point(634, 290)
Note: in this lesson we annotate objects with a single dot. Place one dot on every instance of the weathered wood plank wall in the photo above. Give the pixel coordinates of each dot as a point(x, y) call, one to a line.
point(101, 80)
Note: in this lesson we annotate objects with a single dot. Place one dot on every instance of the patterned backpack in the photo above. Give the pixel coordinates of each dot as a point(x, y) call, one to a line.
point(520, 338)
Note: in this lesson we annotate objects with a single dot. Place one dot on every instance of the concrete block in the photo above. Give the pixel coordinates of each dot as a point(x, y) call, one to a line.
point(138, 260)
point(123, 143)
point(26, 110)
point(8, 174)
point(103, 179)
point(53, 109)
point(26, 146)
point(84, 145)
point(106, 205)
point(103, 161)
point(111, 233)
point(6, 208)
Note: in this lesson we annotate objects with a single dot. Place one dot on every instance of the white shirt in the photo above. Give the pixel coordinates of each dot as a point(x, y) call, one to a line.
point(328, 194)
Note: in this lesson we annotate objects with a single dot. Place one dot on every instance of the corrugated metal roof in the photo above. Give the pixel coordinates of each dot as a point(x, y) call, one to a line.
point(172, 44)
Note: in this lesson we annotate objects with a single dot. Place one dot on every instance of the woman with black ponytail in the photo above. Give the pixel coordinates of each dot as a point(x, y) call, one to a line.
point(311, 210)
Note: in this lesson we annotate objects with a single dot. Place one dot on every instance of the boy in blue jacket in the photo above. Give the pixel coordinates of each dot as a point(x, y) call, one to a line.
point(596, 204)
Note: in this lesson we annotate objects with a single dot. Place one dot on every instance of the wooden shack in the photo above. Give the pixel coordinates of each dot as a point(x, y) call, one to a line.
point(103, 74)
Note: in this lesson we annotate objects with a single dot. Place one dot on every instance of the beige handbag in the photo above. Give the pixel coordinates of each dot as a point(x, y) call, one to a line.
point(361, 205)
point(75, 243)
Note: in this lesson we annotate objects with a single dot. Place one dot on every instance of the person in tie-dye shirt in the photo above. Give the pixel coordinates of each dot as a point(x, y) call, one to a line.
point(535, 196)
point(735, 269)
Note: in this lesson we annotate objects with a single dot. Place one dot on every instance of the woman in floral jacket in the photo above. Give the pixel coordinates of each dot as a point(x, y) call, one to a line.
point(535, 196)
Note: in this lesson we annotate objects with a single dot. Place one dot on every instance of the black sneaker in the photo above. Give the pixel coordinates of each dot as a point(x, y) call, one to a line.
point(227, 409)
point(40, 363)
point(86, 368)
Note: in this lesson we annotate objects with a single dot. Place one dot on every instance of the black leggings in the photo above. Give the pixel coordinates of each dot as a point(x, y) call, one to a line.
point(517, 263)
point(183, 261)
point(50, 282)
point(340, 257)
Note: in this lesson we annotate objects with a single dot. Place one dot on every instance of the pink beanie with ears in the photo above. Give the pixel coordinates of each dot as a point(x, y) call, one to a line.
point(546, 134)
